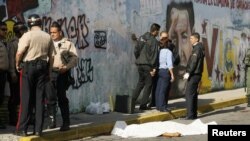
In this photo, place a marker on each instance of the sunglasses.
(3, 29)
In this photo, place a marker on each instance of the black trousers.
(33, 79)
(192, 95)
(2, 85)
(59, 86)
(14, 99)
(144, 82)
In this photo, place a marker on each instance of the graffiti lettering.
(210, 56)
(84, 72)
(239, 4)
(75, 29)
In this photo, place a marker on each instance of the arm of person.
(172, 75)
(19, 55)
(23, 45)
(12, 59)
(170, 64)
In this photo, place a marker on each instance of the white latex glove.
(186, 76)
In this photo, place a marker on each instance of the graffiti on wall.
(100, 39)
(75, 28)
(223, 37)
(224, 47)
(84, 72)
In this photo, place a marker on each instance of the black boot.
(12, 116)
(2, 126)
(65, 117)
(52, 116)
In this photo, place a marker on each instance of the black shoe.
(144, 108)
(21, 133)
(165, 110)
(51, 126)
(38, 134)
(12, 123)
(188, 118)
(64, 128)
(2, 126)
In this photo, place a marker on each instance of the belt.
(36, 62)
(55, 70)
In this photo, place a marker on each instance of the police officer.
(19, 29)
(247, 62)
(64, 60)
(193, 75)
(35, 50)
(4, 64)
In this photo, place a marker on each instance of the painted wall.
(101, 31)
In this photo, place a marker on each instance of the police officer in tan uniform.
(4, 64)
(64, 60)
(35, 50)
(19, 29)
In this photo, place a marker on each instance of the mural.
(101, 32)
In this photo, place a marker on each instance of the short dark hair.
(56, 25)
(196, 35)
(2, 23)
(155, 27)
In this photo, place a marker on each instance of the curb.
(105, 128)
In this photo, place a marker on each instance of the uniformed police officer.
(247, 62)
(193, 75)
(4, 64)
(19, 29)
(35, 50)
(64, 60)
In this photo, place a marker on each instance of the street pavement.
(230, 116)
(85, 125)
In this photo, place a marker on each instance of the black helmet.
(34, 20)
(18, 26)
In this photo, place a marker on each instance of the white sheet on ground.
(154, 129)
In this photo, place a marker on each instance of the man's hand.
(18, 68)
(186, 76)
(153, 72)
(63, 69)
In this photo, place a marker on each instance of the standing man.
(146, 62)
(35, 50)
(65, 59)
(247, 63)
(19, 29)
(4, 64)
(193, 75)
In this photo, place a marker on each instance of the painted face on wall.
(179, 33)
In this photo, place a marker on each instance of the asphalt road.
(234, 115)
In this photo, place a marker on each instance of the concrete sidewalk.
(84, 125)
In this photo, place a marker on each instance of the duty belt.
(35, 62)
